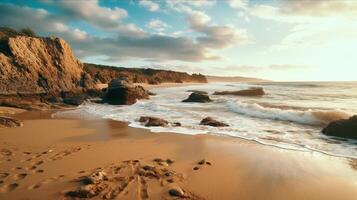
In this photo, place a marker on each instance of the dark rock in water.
(345, 128)
(7, 122)
(176, 124)
(151, 93)
(208, 121)
(198, 91)
(153, 121)
(198, 97)
(121, 92)
(258, 91)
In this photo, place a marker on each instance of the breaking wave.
(305, 117)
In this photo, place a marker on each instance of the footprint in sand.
(36, 186)
(4, 175)
(20, 176)
(46, 181)
(31, 168)
(17, 168)
(201, 163)
(6, 152)
(119, 180)
(64, 153)
(143, 189)
(10, 187)
(39, 162)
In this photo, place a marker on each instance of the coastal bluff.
(32, 65)
(43, 73)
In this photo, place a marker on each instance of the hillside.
(234, 79)
(104, 74)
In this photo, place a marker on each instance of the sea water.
(290, 115)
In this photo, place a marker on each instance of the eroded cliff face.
(31, 65)
(104, 74)
(42, 73)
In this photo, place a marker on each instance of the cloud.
(153, 47)
(123, 46)
(286, 67)
(39, 20)
(319, 8)
(212, 36)
(125, 41)
(90, 11)
(314, 26)
(296, 11)
(238, 4)
(157, 25)
(150, 5)
(254, 69)
(200, 3)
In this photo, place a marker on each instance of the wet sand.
(46, 158)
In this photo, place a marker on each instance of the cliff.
(32, 65)
(104, 74)
(43, 72)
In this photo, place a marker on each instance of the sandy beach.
(46, 158)
(178, 99)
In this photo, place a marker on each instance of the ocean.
(291, 115)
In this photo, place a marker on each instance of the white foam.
(307, 117)
(247, 117)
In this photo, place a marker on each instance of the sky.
(295, 40)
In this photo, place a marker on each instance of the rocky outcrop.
(198, 97)
(153, 121)
(104, 74)
(7, 122)
(345, 128)
(258, 91)
(42, 73)
(36, 72)
(122, 92)
(208, 121)
(39, 65)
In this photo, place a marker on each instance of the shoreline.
(239, 168)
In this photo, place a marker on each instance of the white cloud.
(91, 11)
(297, 11)
(200, 3)
(150, 5)
(238, 4)
(79, 34)
(157, 25)
(212, 36)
